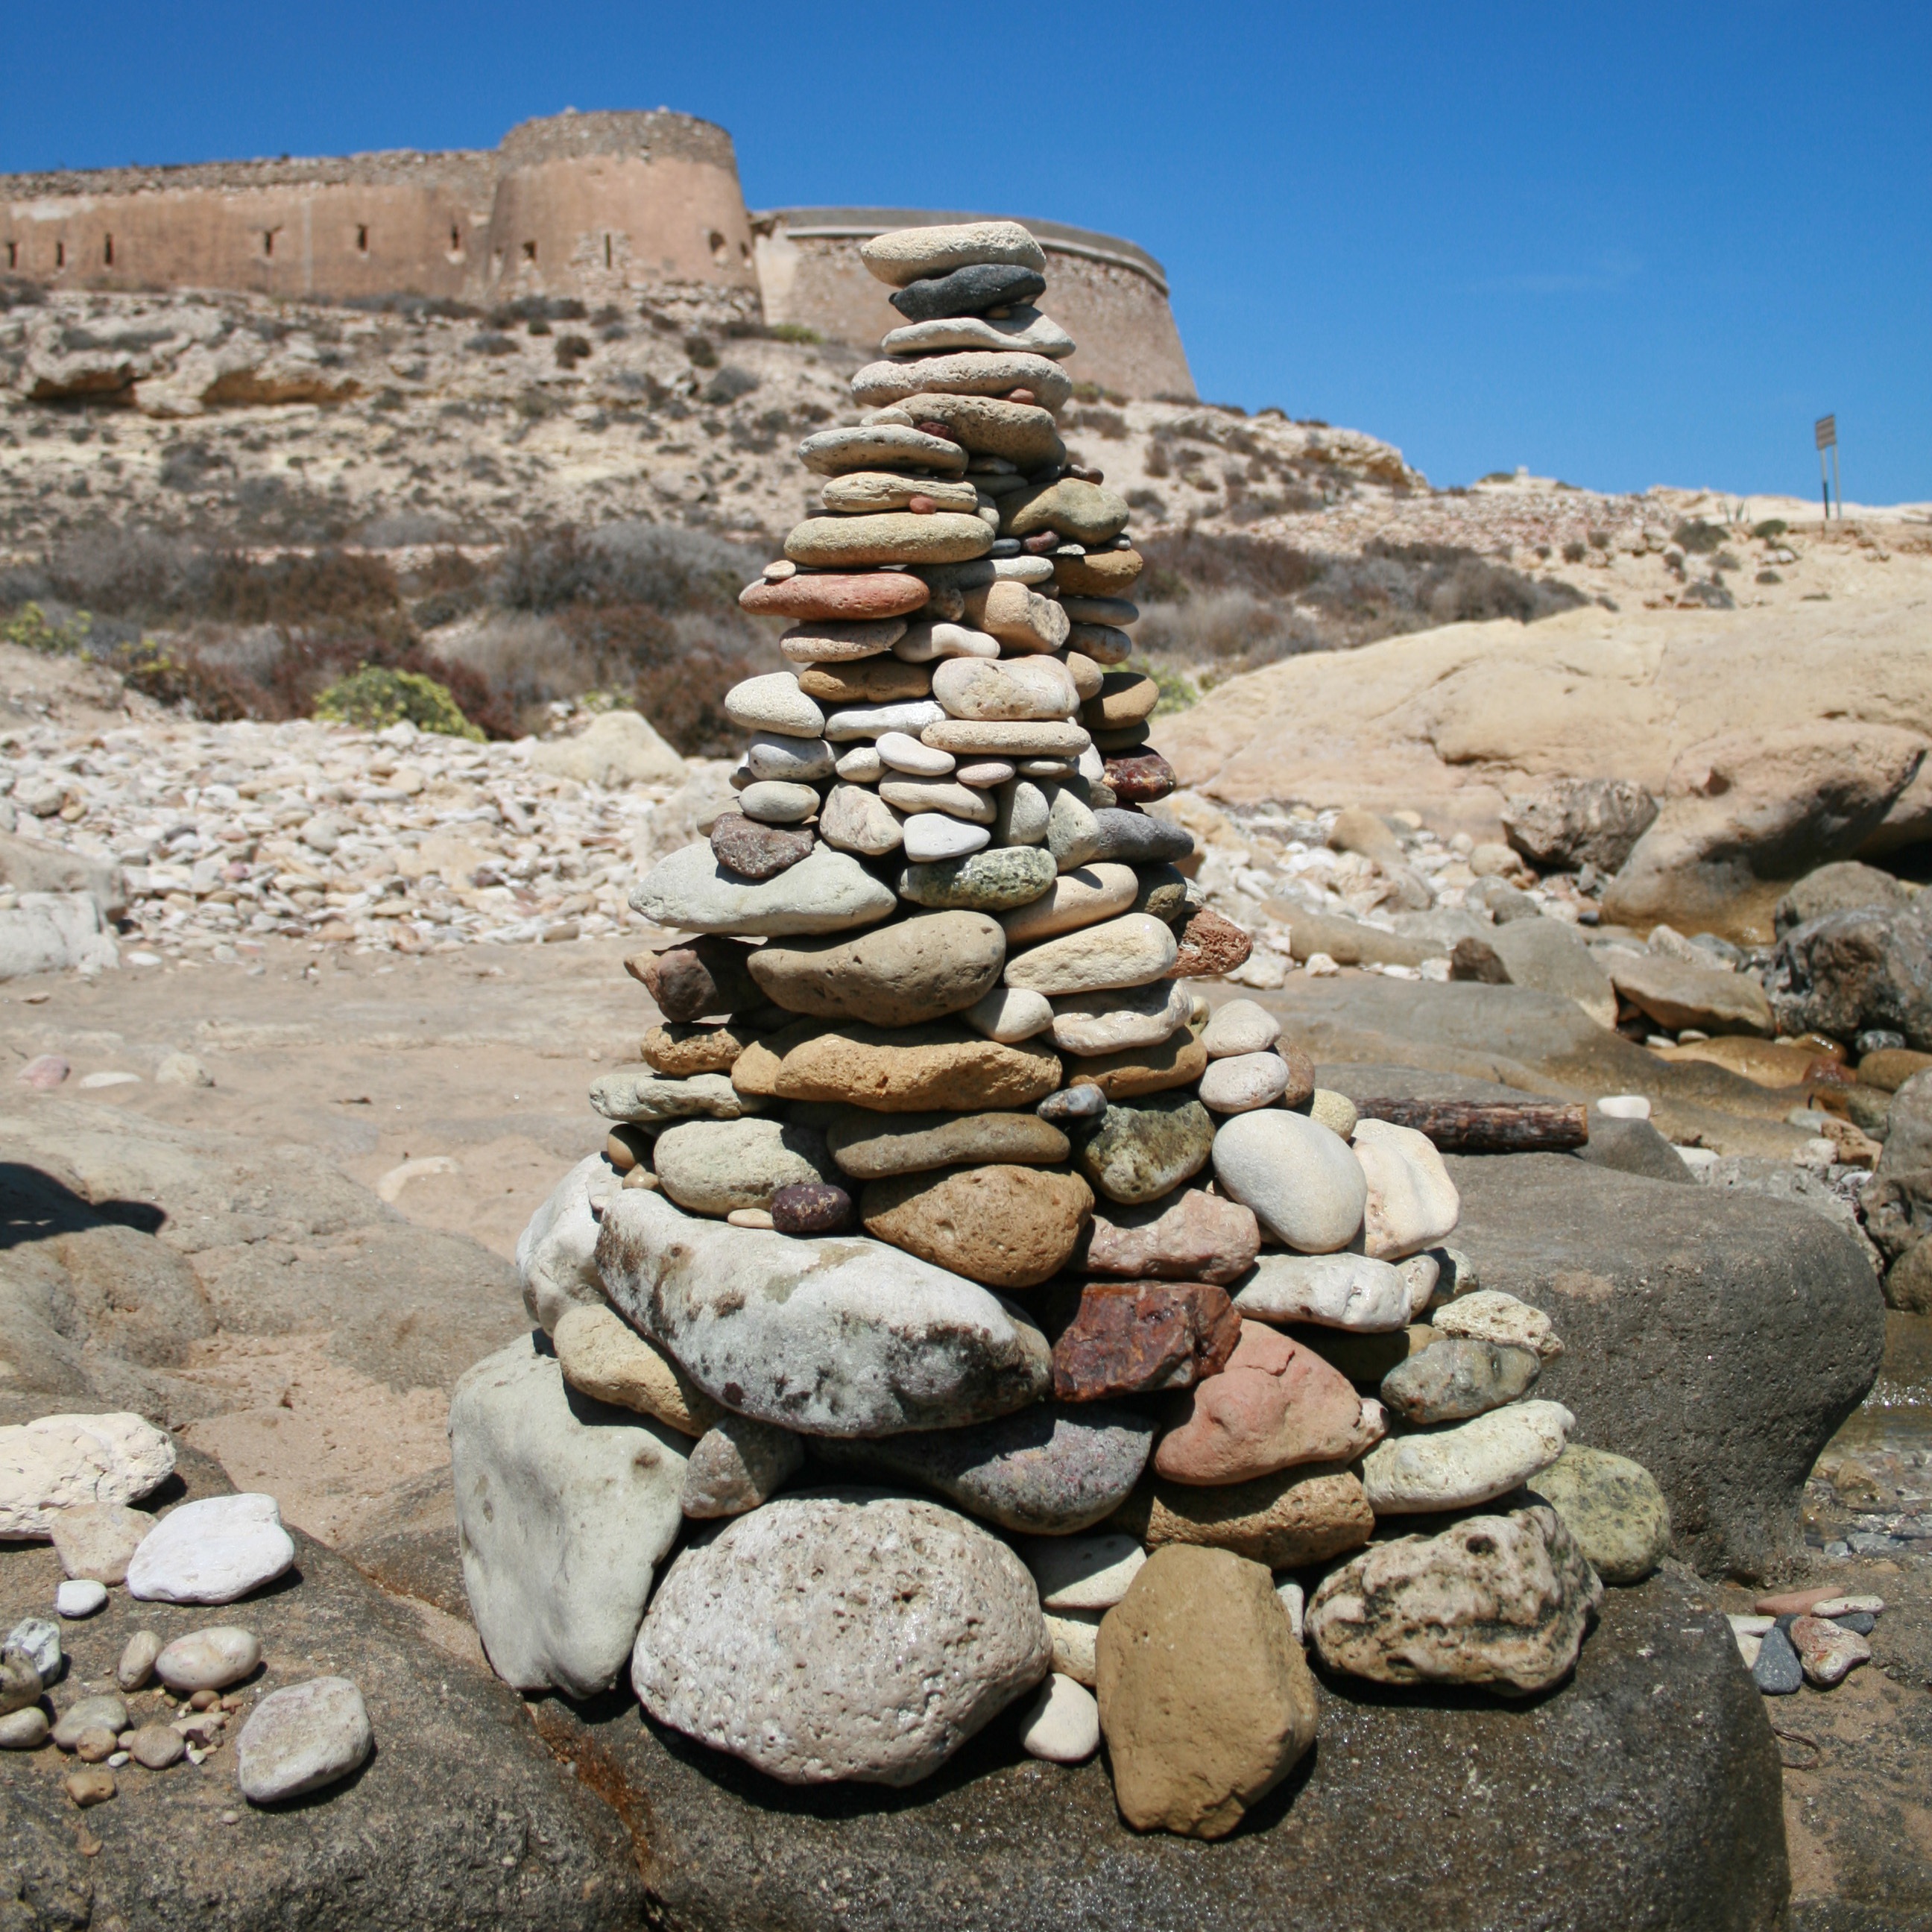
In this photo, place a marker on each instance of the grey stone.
(1549, 956)
(869, 1147)
(837, 1336)
(710, 1167)
(37, 1640)
(1777, 1672)
(302, 1738)
(1568, 823)
(841, 1635)
(1050, 1470)
(971, 290)
(1138, 838)
(644, 1097)
(827, 891)
(32, 865)
(1073, 1103)
(1632, 1147)
(1457, 1378)
(737, 1464)
(1847, 971)
(1137, 1153)
(556, 1253)
(107, 1712)
(1846, 886)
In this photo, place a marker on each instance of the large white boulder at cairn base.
(212, 1551)
(557, 1252)
(1333, 1291)
(620, 747)
(825, 892)
(841, 1336)
(564, 1508)
(847, 1634)
(1307, 1190)
(59, 1462)
(1473, 1463)
(1412, 1202)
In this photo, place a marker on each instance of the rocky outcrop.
(1571, 823)
(1844, 971)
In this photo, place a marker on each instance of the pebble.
(93, 1784)
(1306, 1187)
(711, 1167)
(1010, 1227)
(905, 753)
(990, 882)
(156, 1746)
(770, 802)
(1613, 1507)
(1091, 1024)
(1137, 839)
(95, 1539)
(874, 721)
(209, 1660)
(1490, 1315)
(811, 1207)
(1072, 1104)
(1082, 896)
(24, 1729)
(932, 836)
(1024, 328)
(1862, 1622)
(1074, 1635)
(737, 1464)
(301, 1738)
(896, 1070)
(1844, 1607)
(871, 1147)
(1827, 1652)
(1062, 1724)
(1243, 1082)
(38, 1640)
(912, 255)
(1176, 1062)
(138, 1657)
(1457, 1378)
(855, 819)
(1193, 1236)
(1129, 951)
(1210, 946)
(774, 702)
(604, 1356)
(750, 1217)
(212, 1551)
(878, 680)
(1623, 1107)
(79, 1597)
(827, 891)
(968, 291)
(1008, 1016)
(104, 1711)
(1137, 1153)
(754, 850)
(680, 1050)
(1804, 1603)
(1777, 1671)
(797, 760)
(847, 645)
(1090, 1572)
(1141, 1337)
(1010, 689)
(57, 1462)
(927, 643)
(1411, 1200)
(1239, 1027)
(1472, 1462)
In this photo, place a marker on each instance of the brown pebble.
(94, 1746)
(157, 1746)
(640, 1176)
(755, 850)
(1141, 777)
(811, 1207)
(625, 1147)
(921, 506)
(1799, 1603)
(203, 1700)
(94, 1786)
(1021, 396)
(1040, 542)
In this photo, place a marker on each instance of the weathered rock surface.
(1567, 823)
(1549, 957)
(1136, 1153)
(841, 1635)
(1010, 1227)
(1457, 1377)
(836, 1336)
(737, 1465)
(302, 1738)
(1138, 1337)
(911, 1069)
(602, 1355)
(1192, 1236)
(56, 1463)
(868, 1146)
(711, 1167)
(911, 970)
(1472, 1462)
(1412, 1203)
(1846, 971)
(556, 1252)
(1613, 1508)
(1293, 1518)
(1351, 1292)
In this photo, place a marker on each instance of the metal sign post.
(1825, 430)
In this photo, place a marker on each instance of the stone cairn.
(990, 1319)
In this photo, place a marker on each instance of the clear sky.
(1621, 244)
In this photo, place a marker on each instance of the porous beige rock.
(910, 1069)
(915, 254)
(56, 1462)
(603, 1355)
(1017, 688)
(1010, 1227)
(1470, 1462)
(96, 1539)
(1129, 951)
(1293, 1518)
(1083, 896)
(1489, 1315)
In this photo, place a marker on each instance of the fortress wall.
(1109, 295)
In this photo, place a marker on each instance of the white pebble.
(1062, 1724)
(1623, 1107)
(79, 1597)
(301, 1738)
(934, 835)
(905, 753)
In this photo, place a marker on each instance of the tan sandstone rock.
(1008, 1227)
(897, 975)
(911, 1069)
(604, 1356)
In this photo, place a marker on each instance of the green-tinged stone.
(1614, 1509)
(1139, 1153)
(991, 881)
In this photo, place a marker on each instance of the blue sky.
(1622, 245)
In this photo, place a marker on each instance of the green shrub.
(1178, 690)
(1771, 527)
(31, 629)
(794, 332)
(1697, 538)
(373, 699)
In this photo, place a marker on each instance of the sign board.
(1826, 431)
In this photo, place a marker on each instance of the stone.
(775, 802)
(861, 491)
(96, 1540)
(1568, 823)
(1020, 327)
(842, 1635)
(1242, 1082)
(1634, 1147)
(896, 1070)
(739, 1464)
(93, 1785)
(1044, 1470)
(1500, 1601)
(872, 680)
(1062, 1724)
(636, 1096)
(1163, 892)
(1307, 1190)
(1073, 832)
(1777, 1671)
(1273, 1405)
(986, 426)
(1125, 698)
(209, 1660)
(827, 891)
(1071, 1104)
(564, 1508)
(1115, 1021)
(1472, 1462)
(1010, 1017)
(906, 255)
(711, 1167)
(835, 452)
(1676, 995)
(35, 1642)
(1412, 1203)
(1289, 1520)
(871, 1147)
(1129, 951)
(934, 638)
(704, 975)
(1082, 896)
(900, 752)
(678, 1050)
(105, 1711)
(833, 1337)
(854, 819)
(1139, 1337)
(969, 737)
(1610, 1505)
(891, 536)
(1083, 1572)
(979, 372)
(1489, 1315)
(212, 1552)
(58, 1462)
(1021, 814)
(1140, 778)
(1888, 1068)
(853, 649)
(1239, 1028)
(154, 1747)
(773, 703)
(79, 1597)
(1847, 972)
(1137, 1153)
(1456, 1377)
(932, 835)
(1079, 511)
(25, 1729)
(1209, 945)
(1335, 1112)
(1139, 838)
(1205, 1698)
(1827, 1652)
(138, 1657)
(1076, 1636)
(1846, 886)
(811, 1207)
(1017, 688)
(1132, 1071)
(1549, 957)
(1008, 1226)
(992, 882)
(971, 290)
(757, 851)
(302, 1738)
(1192, 1236)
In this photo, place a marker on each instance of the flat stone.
(1611, 1505)
(1017, 688)
(1243, 1082)
(840, 1636)
(1023, 328)
(1549, 956)
(1502, 1601)
(1489, 1315)
(757, 851)
(1205, 1697)
(1081, 896)
(1136, 1153)
(1138, 838)
(637, 1095)
(301, 1738)
(773, 802)
(978, 372)
(891, 536)
(906, 255)
(811, 1208)
(1132, 1072)
(1239, 1027)
(602, 1355)
(1273, 1405)
(1474, 1461)
(1456, 1377)
(1085, 1572)
(896, 1070)
(991, 882)
(1126, 698)
(827, 891)
(1209, 945)
(871, 1147)
(1107, 573)
(739, 1464)
(971, 290)
(1193, 1236)
(1307, 1189)
(862, 491)
(1140, 1337)
(899, 752)
(57, 1463)
(1112, 1022)
(1008, 1226)
(1062, 1724)
(212, 1552)
(97, 1539)
(986, 426)
(710, 1167)
(105, 1711)
(833, 1337)
(1677, 995)
(1129, 951)
(854, 819)
(773, 703)
(209, 1660)
(564, 1508)
(1289, 1520)
(872, 680)
(851, 648)
(834, 452)
(703, 976)
(1008, 1016)
(1827, 1652)
(970, 737)
(912, 971)
(930, 835)
(1412, 1203)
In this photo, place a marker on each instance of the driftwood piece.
(1488, 1127)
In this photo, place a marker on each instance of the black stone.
(1777, 1672)
(1643, 1791)
(1860, 1623)
(811, 1207)
(1138, 839)
(967, 291)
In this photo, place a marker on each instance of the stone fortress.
(601, 207)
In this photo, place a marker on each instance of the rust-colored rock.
(1007, 1227)
(1210, 944)
(703, 976)
(1139, 778)
(1195, 1236)
(1131, 1337)
(873, 593)
(753, 851)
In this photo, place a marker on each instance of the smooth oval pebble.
(1304, 1183)
(800, 760)
(775, 802)
(209, 1660)
(1083, 1572)
(1126, 952)
(157, 1746)
(79, 1597)
(774, 702)
(1073, 1103)
(933, 835)
(24, 1729)
(137, 1660)
(1239, 1027)
(1010, 1017)
(1243, 1082)
(905, 753)
(811, 1207)
(1062, 1724)
(301, 1738)
(104, 1712)
(212, 1551)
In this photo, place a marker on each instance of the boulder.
(34, 868)
(844, 1635)
(1845, 886)
(58, 1462)
(835, 1337)
(1567, 823)
(1676, 994)
(1845, 972)
(618, 749)
(564, 1508)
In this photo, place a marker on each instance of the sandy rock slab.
(1648, 1790)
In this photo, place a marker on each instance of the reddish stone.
(1128, 1337)
(879, 593)
(706, 976)
(939, 429)
(1141, 777)
(922, 506)
(1300, 1074)
(811, 1207)
(1041, 542)
(1799, 1603)
(1200, 1236)
(1210, 944)
(1021, 396)
(753, 851)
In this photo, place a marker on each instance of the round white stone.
(774, 702)
(862, 765)
(301, 1738)
(79, 1597)
(212, 1552)
(1062, 1724)
(800, 760)
(934, 835)
(209, 1660)
(1243, 1082)
(1238, 1026)
(773, 802)
(1472, 1462)
(1305, 1186)
(1623, 1107)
